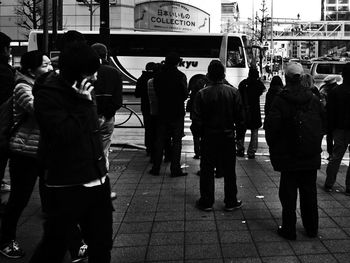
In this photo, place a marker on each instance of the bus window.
(235, 53)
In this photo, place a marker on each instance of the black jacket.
(7, 79)
(279, 132)
(108, 91)
(218, 111)
(141, 91)
(338, 107)
(170, 85)
(71, 146)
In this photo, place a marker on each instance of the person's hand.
(84, 89)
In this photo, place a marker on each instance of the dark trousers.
(24, 171)
(218, 151)
(91, 208)
(147, 122)
(3, 163)
(305, 181)
(329, 139)
(166, 129)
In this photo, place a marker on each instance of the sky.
(309, 10)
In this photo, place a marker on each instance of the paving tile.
(202, 251)
(332, 233)
(131, 240)
(139, 217)
(212, 260)
(265, 235)
(201, 225)
(168, 238)
(342, 257)
(308, 247)
(138, 227)
(324, 258)
(165, 253)
(235, 236)
(262, 224)
(257, 214)
(338, 246)
(280, 259)
(267, 249)
(342, 221)
(242, 260)
(201, 237)
(128, 254)
(239, 250)
(168, 226)
(224, 225)
(169, 216)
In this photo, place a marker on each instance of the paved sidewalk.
(155, 219)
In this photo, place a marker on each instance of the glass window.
(330, 8)
(344, 16)
(324, 68)
(235, 53)
(343, 8)
(343, 1)
(331, 1)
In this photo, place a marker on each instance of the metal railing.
(131, 113)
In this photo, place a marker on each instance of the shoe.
(251, 156)
(82, 254)
(202, 207)
(282, 233)
(196, 156)
(178, 174)
(12, 250)
(240, 153)
(327, 189)
(153, 172)
(347, 192)
(113, 196)
(237, 205)
(5, 187)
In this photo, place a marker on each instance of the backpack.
(307, 131)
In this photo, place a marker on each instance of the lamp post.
(272, 45)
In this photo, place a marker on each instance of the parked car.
(323, 68)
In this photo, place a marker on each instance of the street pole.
(272, 45)
(45, 26)
(104, 23)
(54, 25)
(91, 13)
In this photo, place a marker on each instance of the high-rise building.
(334, 10)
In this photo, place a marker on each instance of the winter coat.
(71, 147)
(25, 140)
(141, 91)
(171, 88)
(338, 107)
(7, 79)
(108, 91)
(218, 111)
(270, 95)
(251, 90)
(279, 130)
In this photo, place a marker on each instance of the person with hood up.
(298, 166)
(276, 86)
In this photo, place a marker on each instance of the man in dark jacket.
(338, 112)
(141, 91)
(217, 114)
(71, 152)
(7, 81)
(251, 89)
(298, 170)
(171, 89)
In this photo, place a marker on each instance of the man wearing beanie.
(170, 85)
(217, 116)
(293, 153)
(71, 152)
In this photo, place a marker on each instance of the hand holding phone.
(83, 88)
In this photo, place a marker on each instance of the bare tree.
(29, 13)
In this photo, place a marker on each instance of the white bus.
(131, 51)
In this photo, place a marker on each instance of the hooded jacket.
(71, 146)
(279, 132)
(141, 91)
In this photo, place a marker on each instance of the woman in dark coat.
(251, 89)
(276, 86)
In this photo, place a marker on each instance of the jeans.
(218, 151)
(91, 209)
(253, 144)
(24, 171)
(341, 141)
(169, 129)
(305, 181)
(106, 129)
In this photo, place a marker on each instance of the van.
(321, 69)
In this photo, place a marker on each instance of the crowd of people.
(64, 121)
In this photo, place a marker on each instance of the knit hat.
(294, 70)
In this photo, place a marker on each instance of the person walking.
(109, 99)
(23, 166)
(71, 152)
(330, 83)
(338, 113)
(294, 131)
(217, 115)
(170, 85)
(250, 90)
(7, 84)
(142, 92)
